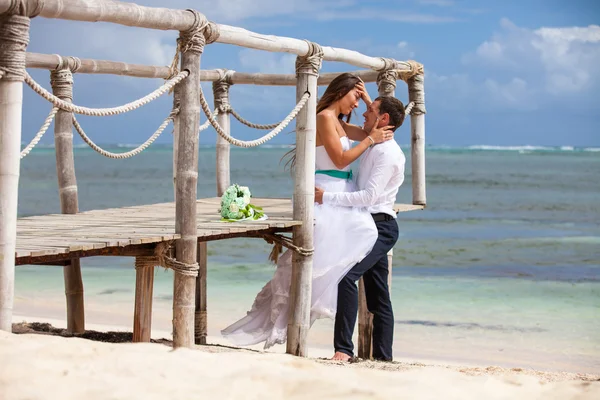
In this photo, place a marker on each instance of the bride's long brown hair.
(338, 88)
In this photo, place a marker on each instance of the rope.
(161, 258)
(386, 81)
(280, 241)
(257, 142)
(62, 84)
(206, 124)
(102, 112)
(415, 69)
(248, 123)
(40, 133)
(71, 63)
(131, 153)
(194, 39)
(221, 97)
(25, 8)
(409, 108)
(312, 61)
(14, 38)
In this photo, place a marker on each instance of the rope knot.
(388, 64)
(386, 81)
(279, 242)
(62, 84)
(19, 7)
(415, 69)
(71, 63)
(416, 94)
(221, 90)
(202, 32)
(161, 257)
(312, 61)
(14, 38)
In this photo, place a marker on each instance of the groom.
(380, 175)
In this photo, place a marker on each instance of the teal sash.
(335, 173)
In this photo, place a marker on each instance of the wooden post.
(201, 316)
(14, 37)
(416, 93)
(303, 202)
(62, 87)
(386, 85)
(176, 104)
(144, 285)
(184, 286)
(221, 98)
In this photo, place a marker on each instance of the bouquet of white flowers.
(235, 205)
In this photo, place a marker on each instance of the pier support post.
(14, 38)
(386, 85)
(307, 70)
(416, 94)
(61, 80)
(221, 99)
(191, 43)
(201, 315)
(144, 287)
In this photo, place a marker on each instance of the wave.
(525, 149)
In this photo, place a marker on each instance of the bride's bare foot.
(339, 356)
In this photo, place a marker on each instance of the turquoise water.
(502, 265)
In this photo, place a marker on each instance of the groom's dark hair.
(394, 108)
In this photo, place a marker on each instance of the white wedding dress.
(343, 236)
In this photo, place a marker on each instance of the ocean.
(502, 268)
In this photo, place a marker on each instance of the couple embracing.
(355, 226)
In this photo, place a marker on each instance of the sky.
(501, 73)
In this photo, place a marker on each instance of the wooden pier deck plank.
(61, 236)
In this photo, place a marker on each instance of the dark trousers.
(374, 269)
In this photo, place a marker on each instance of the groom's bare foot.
(339, 356)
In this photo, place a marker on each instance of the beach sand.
(37, 363)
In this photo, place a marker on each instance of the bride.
(343, 236)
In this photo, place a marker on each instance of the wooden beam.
(58, 259)
(131, 14)
(90, 66)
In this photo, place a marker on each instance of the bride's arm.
(354, 132)
(331, 140)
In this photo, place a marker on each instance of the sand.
(44, 365)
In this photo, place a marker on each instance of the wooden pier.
(173, 235)
(129, 231)
(137, 231)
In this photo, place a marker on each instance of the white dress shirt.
(380, 174)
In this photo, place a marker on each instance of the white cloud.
(564, 60)
(461, 93)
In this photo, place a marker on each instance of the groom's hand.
(319, 195)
